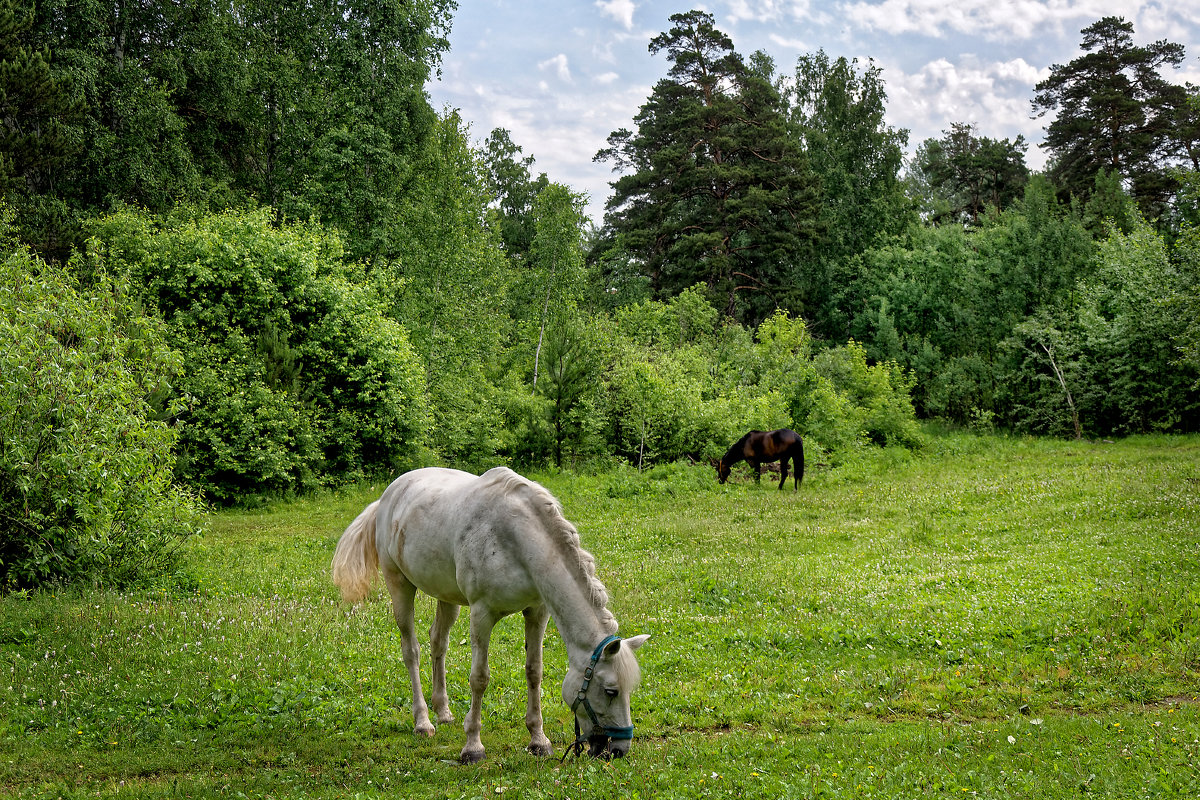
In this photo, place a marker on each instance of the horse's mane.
(735, 449)
(562, 533)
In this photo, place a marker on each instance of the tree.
(571, 384)
(716, 189)
(1132, 323)
(449, 287)
(838, 109)
(1115, 112)
(34, 102)
(512, 190)
(968, 174)
(556, 259)
(318, 110)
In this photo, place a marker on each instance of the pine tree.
(1115, 112)
(715, 190)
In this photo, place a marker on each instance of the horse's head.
(722, 471)
(599, 696)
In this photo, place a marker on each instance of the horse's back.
(450, 532)
(786, 437)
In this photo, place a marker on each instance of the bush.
(877, 396)
(86, 490)
(294, 376)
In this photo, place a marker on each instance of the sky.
(561, 75)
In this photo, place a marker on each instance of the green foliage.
(1111, 359)
(1130, 327)
(36, 105)
(877, 395)
(950, 305)
(962, 175)
(1045, 366)
(316, 110)
(678, 388)
(571, 385)
(512, 190)
(449, 288)
(1186, 302)
(837, 108)
(1114, 111)
(715, 189)
(293, 375)
(86, 491)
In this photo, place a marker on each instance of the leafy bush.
(293, 374)
(1131, 327)
(878, 395)
(678, 388)
(1115, 359)
(86, 490)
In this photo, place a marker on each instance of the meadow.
(993, 617)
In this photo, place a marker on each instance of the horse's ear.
(634, 642)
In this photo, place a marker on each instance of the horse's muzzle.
(601, 746)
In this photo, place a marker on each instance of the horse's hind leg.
(439, 643)
(482, 622)
(783, 473)
(535, 631)
(403, 594)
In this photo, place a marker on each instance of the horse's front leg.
(403, 594)
(535, 631)
(482, 622)
(439, 643)
(757, 467)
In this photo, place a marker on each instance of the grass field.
(999, 618)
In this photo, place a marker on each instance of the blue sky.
(561, 75)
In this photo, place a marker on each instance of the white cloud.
(619, 10)
(1020, 72)
(787, 44)
(992, 19)
(770, 10)
(559, 65)
(993, 96)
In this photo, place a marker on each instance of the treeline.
(1064, 302)
(247, 260)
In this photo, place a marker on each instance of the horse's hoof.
(471, 756)
(541, 749)
(427, 730)
(445, 719)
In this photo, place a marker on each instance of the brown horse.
(759, 447)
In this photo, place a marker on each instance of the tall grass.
(993, 618)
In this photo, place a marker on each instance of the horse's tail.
(355, 560)
(798, 461)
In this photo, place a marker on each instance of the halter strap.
(618, 733)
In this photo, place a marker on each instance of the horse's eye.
(611, 692)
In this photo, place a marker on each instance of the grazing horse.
(498, 543)
(759, 447)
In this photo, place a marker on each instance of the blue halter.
(624, 732)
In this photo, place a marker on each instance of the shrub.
(293, 374)
(877, 396)
(86, 491)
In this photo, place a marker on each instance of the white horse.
(499, 544)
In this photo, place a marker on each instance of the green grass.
(993, 618)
